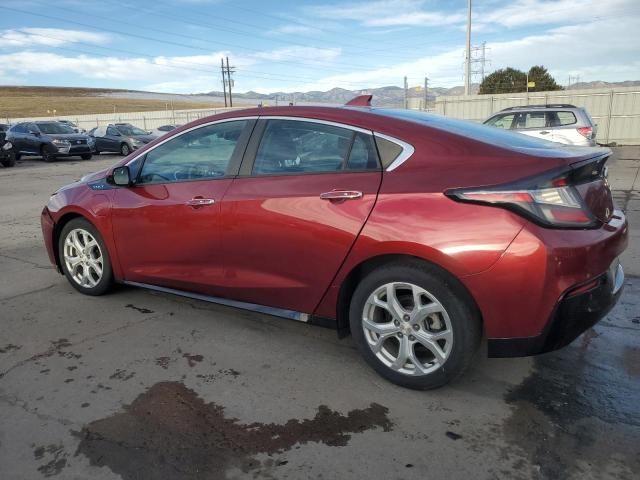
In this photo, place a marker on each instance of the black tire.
(106, 281)
(125, 149)
(46, 155)
(463, 317)
(17, 156)
(86, 156)
(10, 160)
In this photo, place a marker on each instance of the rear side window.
(502, 121)
(559, 119)
(291, 146)
(532, 120)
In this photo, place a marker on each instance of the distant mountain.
(387, 96)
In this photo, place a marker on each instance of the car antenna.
(360, 101)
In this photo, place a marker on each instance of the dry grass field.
(16, 102)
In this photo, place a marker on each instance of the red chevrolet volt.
(417, 234)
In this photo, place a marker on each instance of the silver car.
(562, 123)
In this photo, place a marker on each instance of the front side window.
(291, 146)
(502, 121)
(54, 128)
(198, 154)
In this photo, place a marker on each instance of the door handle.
(200, 202)
(340, 195)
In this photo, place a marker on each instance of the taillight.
(554, 203)
(585, 131)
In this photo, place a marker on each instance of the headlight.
(135, 141)
(60, 143)
(7, 146)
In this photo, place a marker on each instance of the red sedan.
(417, 234)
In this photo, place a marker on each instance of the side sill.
(276, 312)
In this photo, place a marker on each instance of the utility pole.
(467, 56)
(224, 81)
(406, 93)
(426, 84)
(230, 80)
(483, 59)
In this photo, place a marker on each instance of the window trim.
(405, 154)
(234, 161)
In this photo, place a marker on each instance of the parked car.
(560, 123)
(73, 126)
(7, 153)
(49, 140)
(164, 129)
(415, 233)
(122, 138)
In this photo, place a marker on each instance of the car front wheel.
(10, 160)
(414, 325)
(125, 149)
(84, 257)
(47, 156)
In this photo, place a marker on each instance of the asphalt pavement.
(144, 385)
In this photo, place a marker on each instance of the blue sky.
(176, 45)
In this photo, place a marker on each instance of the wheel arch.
(57, 229)
(358, 272)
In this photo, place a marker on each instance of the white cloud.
(300, 54)
(52, 37)
(386, 13)
(292, 29)
(547, 12)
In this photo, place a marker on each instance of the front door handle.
(200, 202)
(340, 195)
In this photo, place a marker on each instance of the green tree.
(512, 80)
(544, 82)
(505, 80)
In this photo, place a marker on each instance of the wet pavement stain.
(58, 459)
(169, 433)
(10, 347)
(163, 362)
(578, 406)
(139, 309)
(122, 375)
(192, 359)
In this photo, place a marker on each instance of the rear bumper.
(573, 315)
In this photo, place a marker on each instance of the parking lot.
(139, 382)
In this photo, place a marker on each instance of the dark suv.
(49, 140)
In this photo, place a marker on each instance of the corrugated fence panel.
(616, 111)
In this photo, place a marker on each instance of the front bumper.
(574, 314)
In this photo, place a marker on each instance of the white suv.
(560, 123)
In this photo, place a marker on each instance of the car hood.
(70, 136)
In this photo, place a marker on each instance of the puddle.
(169, 433)
(578, 412)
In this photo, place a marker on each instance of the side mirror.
(121, 176)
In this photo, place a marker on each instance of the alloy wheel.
(83, 258)
(407, 328)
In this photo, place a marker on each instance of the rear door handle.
(340, 195)
(200, 202)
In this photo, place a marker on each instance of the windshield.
(130, 130)
(54, 128)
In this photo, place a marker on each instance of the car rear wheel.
(414, 325)
(47, 156)
(125, 150)
(84, 258)
(86, 157)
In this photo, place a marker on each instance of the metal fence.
(144, 120)
(616, 111)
